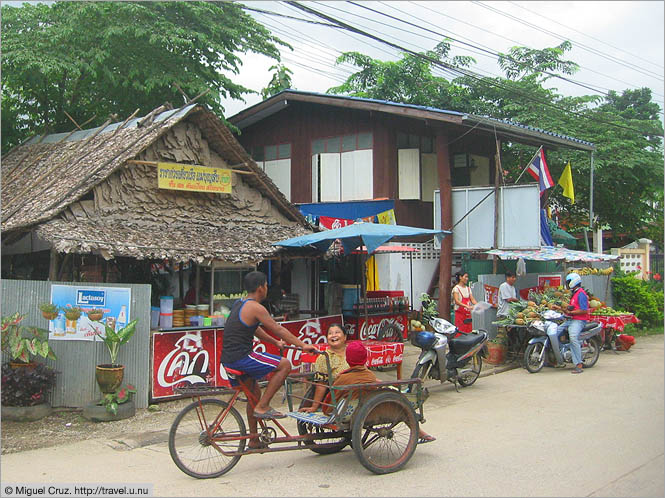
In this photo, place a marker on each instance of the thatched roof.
(84, 193)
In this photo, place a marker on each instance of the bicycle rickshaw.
(208, 437)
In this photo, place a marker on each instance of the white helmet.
(573, 280)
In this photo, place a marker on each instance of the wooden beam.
(53, 265)
(446, 195)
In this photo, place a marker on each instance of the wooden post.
(446, 193)
(53, 266)
(497, 177)
(180, 282)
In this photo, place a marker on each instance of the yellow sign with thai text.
(194, 178)
(387, 217)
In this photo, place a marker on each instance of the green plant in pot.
(121, 395)
(72, 313)
(22, 342)
(109, 376)
(49, 310)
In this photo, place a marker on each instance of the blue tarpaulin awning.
(348, 210)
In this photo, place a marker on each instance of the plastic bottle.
(121, 321)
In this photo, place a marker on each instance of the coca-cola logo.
(179, 364)
(371, 331)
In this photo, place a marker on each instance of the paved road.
(600, 433)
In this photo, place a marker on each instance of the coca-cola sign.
(192, 357)
(369, 329)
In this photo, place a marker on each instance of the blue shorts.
(256, 365)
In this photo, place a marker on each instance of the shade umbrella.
(371, 235)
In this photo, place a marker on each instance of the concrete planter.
(98, 413)
(26, 413)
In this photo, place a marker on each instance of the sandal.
(426, 439)
(271, 413)
(577, 370)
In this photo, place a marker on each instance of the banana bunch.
(592, 271)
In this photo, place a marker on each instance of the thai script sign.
(194, 178)
(491, 295)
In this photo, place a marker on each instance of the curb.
(498, 370)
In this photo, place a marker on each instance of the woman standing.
(336, 336)
(464, 302)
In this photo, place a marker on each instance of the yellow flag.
(372, 272)
(566, 181)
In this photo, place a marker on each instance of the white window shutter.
(429, 180)
(408, 173)
(279, 172)
(329, 174)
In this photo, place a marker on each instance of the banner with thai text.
(491, 295)
(193, 178)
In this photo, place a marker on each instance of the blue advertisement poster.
(113, 303)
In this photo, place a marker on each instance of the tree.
(98, 58)
(625, 128)
(280, 81)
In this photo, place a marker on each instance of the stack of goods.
(190, 311)
(601, 310)
(592, 271)
(178, 318)
(203, 310)
(525, 312)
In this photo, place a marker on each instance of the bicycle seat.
(231, 371)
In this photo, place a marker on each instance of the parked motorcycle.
(446, 357)
(540, 349)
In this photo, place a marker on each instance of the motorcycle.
(539, 347)
(445, 357)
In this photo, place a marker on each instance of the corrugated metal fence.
(75, 383)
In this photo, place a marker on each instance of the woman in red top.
(464, 302)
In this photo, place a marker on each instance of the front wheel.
(534, 357)
(384, 432)
(468, 376)
(593, 352)
(195, 449)
(420, 372)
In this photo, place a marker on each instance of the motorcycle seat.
(590, 326)
(466, 341)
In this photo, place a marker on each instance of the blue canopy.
(372, 235)
(347, 210)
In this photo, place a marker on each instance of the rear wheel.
(305, 428)
(195, 449)
(470, 373)
(385, 432)
(534, 357)
(593, 352)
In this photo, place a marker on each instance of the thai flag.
(539, 170)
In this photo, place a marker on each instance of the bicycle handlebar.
(298, 348)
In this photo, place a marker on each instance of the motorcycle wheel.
(591, 356)
(420, 372)
(470, 375)
(534, 359)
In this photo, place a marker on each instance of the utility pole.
(446, 193)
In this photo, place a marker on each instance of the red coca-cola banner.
(332, 223)
(491, 295)
(367, 330)
(193, 357)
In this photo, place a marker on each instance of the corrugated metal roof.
(268, 106)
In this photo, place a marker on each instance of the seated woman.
(358, 373)
(336, 336)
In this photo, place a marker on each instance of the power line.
(592, 50)
(463, 72)
(588, 36)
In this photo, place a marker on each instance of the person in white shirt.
(507, 295)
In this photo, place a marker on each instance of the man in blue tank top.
(248, 318)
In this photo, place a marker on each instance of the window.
(275, 160)
(342, 168)
(417, 175)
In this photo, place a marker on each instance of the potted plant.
(49, 310)
(72, 313)
(109, 376)
(21, 342)
(497, 347)
(95, 315)
(25, 382)
(24, 392)
(119, 396)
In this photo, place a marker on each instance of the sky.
(618, 45)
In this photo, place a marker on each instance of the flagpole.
(528, 164)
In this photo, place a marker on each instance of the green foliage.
(23, 343)
(26, 386)
(48, 307)
(430, 308)
(280, 81)
(114, 340)
(120, 396)
(103, 58)
(71, 312)
(635, 295)
(625, 128)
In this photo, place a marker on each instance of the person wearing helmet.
(578, 311)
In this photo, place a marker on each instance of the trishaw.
(381, 423)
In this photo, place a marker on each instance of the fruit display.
(608, 311)
(417, 326)
(592, 271)
(525, 312)
(237, 295)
